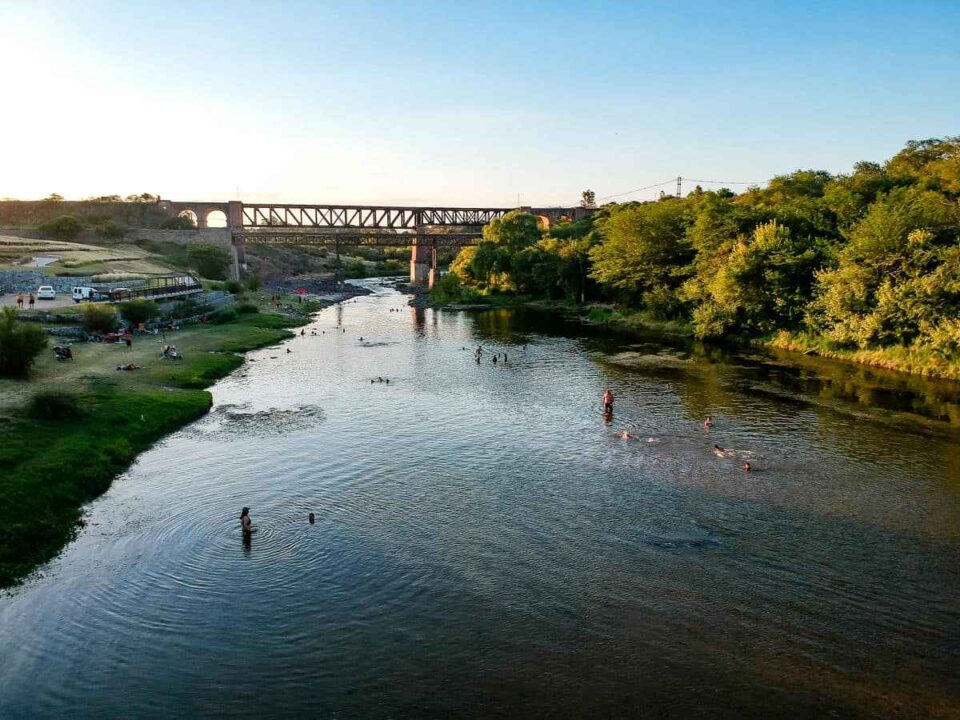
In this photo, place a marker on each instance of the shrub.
(355, 269)
(224, 316)
(20, 343)
(209, 260)
(111, 229)
(138, 311)
(253, 282)
(247, 308)
(98, 318)
(65, 227)
(233, 286)
(178, 223)
(54, 405)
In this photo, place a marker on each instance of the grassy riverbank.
(73, 426)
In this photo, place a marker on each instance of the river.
(485, 545)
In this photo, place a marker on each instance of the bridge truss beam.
(364, 217)
(346, 239)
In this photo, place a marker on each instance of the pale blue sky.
(459, 103)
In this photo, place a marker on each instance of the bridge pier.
(238, 253)
(421, 259)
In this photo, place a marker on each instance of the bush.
(111, 229)
(253, 282)
(209, 260)
(138, 311)
(20, 343)
(224, 316)
(178, 223)
(65, 227)
(54, 405)
(247, 308)
(233, 286)
(97, 318)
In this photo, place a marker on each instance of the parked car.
(120, 294)
(85, 293)
(46, 292)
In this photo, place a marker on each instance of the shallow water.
(485, 546)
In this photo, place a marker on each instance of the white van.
(84, 293)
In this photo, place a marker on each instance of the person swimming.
(246, 524)
(746, 467)
(708, 423)
(311, 518)
(624, 435)
(494, 359)
(719, 451)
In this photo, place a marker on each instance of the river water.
(485, 545)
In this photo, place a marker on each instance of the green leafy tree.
(645, 251)
(764, 283)
(893, 277)
(20, 343)
(209, 260)
(462, 265)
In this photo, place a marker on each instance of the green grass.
(916, 361)
(50, 468)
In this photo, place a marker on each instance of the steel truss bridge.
(423, 229)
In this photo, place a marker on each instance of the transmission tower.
(679, 186)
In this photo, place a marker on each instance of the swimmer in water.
(708, 423)
(608, 402)
(746, 467)
(494, 359)
(246, 524)
(311, 518)
(302, 333)
(719, 451)
(624, 435)
(289, 350)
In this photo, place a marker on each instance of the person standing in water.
(708, 423)
(608, 402)
(246, 524)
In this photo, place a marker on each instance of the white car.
(46, 292)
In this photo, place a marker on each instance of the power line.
(723, 182)
(678, 181)
(630, 192)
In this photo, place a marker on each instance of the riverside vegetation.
(72, 426)
(863, 267)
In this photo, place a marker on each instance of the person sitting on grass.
(129, 366)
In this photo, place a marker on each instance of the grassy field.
(58, 454)
(79, 259)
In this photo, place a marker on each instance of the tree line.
(865, 260)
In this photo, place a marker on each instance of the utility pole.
(679, 186)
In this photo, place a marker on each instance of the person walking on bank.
(20, 301)
(33, 299)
